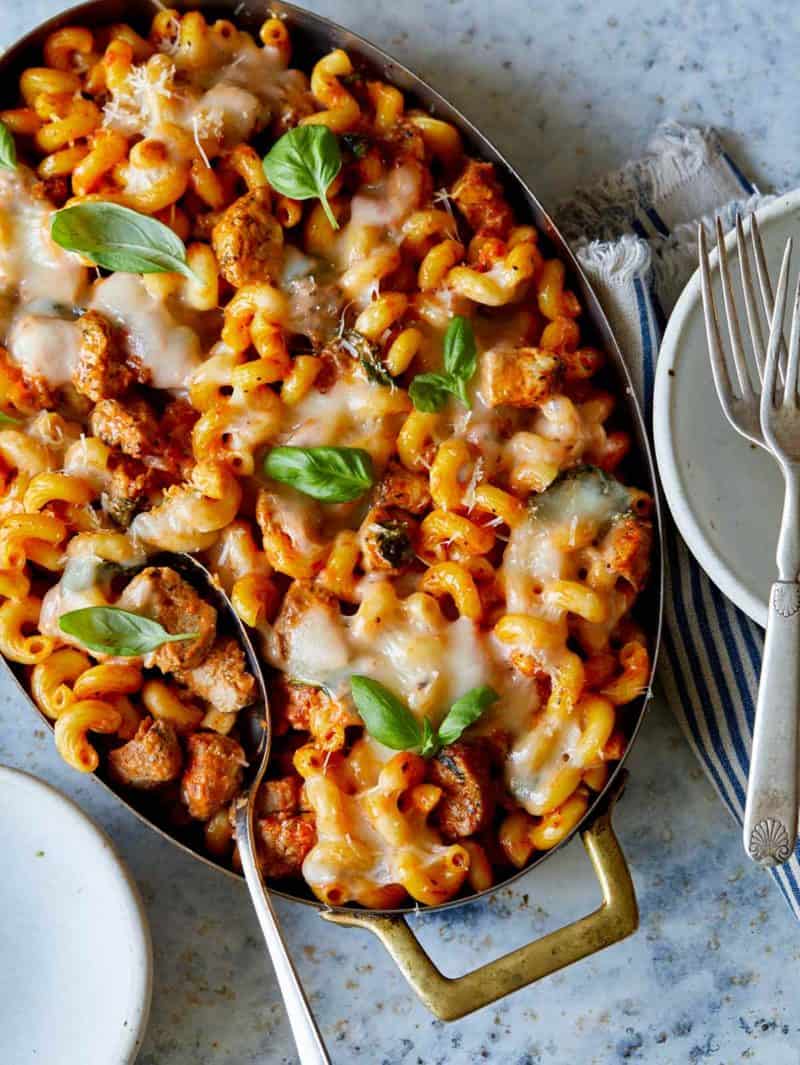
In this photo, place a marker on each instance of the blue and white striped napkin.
(643, 222)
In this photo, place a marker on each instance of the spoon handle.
(310, 1047)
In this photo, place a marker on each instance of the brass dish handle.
(450, 998)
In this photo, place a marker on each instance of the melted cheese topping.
(344, 415)
(427, 661)
(151, 334)
(46, 283)
(432, 663)
(45, 347)
(40, 283)
(30, 263)
(389, 203)
(236, 92)
(531, 559)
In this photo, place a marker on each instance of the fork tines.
(738, 368)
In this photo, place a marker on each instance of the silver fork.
(770, 822)
(769, 417)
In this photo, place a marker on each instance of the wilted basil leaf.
(367, 353)
(356, 144)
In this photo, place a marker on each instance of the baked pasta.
(277, 318)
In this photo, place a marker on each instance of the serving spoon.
(255, 736)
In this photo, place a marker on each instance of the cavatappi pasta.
(496, 546)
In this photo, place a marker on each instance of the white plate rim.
(133, 1035)
(674, 491)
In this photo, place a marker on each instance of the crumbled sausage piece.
(221, 679)
(248, 240)
(626, 548)
(306, 708)
(153, 757)
(284, 840)
(295, 103)
(176, 425)
(26, 394)
(213, 773)
(55, 189)
(520, 377)
(582, 364)
(467, 805)
(336, 364)
(131, 426)
(280, 796)
(480, 199)
(100, 372)
(161, 594)
(404, 488)
(292, 705)
(403, 141)
(388, 539)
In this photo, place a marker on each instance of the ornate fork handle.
(770, 822)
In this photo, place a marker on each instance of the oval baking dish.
(617, 917)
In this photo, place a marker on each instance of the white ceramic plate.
(75, 953)
(725, 494)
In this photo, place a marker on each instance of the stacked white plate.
(75, 953)
(725, 494)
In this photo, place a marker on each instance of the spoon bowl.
(255, 735)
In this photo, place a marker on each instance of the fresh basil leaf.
(330, 474)
(303, 163)
(460, 352)
(8, 148)
(112, 631)
(430, 744)
(429, 391)
(465, 712)
(459, 389)
(119, 238)
(6, 419)
(388, 720)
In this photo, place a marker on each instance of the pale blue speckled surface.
(568, 90)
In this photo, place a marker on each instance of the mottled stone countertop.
(568, 90)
